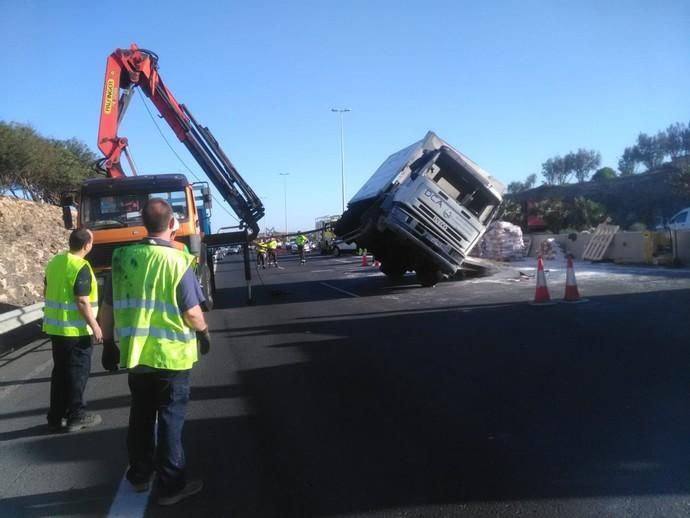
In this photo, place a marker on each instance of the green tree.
(627, 164)
(673, 143)
(685, 137)
(604, 174)
(511, 211)
(584, 213)
(579, 213)
(555, 171)
(553, 212)
(517, 186)
(38, 168)
(681, 180)
(649, 150)
(582, 162)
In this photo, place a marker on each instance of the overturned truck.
(423, 210)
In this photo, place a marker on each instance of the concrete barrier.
(626, 247)
(11, 320)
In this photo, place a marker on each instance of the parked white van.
(680, 221)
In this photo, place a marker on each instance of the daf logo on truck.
(109, 91)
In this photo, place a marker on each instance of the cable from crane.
(218, 202)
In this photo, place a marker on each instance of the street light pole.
(285, 175)
(342, 153)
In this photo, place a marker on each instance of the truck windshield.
(124, 210)
(463, 187)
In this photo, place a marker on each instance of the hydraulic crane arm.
(129, 68)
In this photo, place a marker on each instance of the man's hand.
(110, 358)
(204, 340)
(97, 333)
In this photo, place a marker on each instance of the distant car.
(680, 221)
(341, 247)
(234, 249)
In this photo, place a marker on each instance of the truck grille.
(429, 233)
(430, 214)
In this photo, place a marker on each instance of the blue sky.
(510, 84)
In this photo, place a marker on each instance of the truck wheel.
(206, 288)
(429, 277)
(336, 252)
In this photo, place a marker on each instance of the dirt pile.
(30, 234)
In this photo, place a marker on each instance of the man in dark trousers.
(153, 303)
(301, 240)
(71, 303)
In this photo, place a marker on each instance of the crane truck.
(111, 207)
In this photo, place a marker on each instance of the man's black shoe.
(57, 426)
(84, 421)
(191, 488)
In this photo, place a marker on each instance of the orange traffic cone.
(365, 259)
(542, 294)
(571, 292)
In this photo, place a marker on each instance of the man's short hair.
(78, 239)
(157, 214)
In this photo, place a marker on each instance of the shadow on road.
(198, 393)
(486, 404)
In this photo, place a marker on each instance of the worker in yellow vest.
(261, 251)
(301, 240)
(272, 247)
(153, 303)
(71, 303)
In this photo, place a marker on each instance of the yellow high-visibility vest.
(60, 314)
(148, 322)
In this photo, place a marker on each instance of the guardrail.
(16, 318)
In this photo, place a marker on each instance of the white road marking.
(6, 391)
(339, 289)
(127, 502)
(320, 271)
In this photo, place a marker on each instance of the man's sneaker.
(142, 486)
(57, 426)
(191, 488)
(85, 421)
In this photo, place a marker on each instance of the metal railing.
(19, 317)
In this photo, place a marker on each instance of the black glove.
(204, 340)
(110, 358)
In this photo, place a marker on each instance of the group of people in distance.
(266, 251)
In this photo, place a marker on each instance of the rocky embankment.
(30, 234)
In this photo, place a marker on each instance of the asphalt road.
(338, 394)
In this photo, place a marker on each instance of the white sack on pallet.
(551, 249)
(502, 242)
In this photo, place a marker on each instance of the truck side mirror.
(69, 210)
(69, 216)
